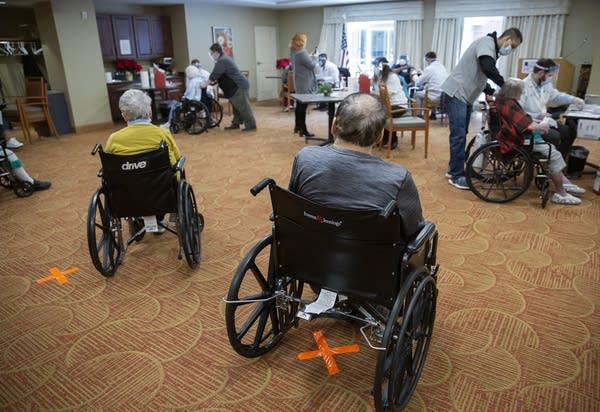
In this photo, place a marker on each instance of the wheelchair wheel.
(542, 183)
(406, 340)
(196, 119)
(189, 224)
(5, 180)
(22, 189)
(216, 113)
(105, 238)
(498, 178)
(258, 312)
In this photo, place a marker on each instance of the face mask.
(545, 80)
(505, 50)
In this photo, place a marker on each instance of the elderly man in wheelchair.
(142, 180)
(350, 227)
(502, 170)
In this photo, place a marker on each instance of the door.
(267, 76)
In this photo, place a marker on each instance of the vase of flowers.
(126, 68)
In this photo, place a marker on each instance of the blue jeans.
(459, 115)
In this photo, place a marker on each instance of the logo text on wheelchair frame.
(134, 166)
(321, 219)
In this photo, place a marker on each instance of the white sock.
(22, 175)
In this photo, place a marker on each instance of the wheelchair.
(502, 177)
(196, 117)
(136, 188)
(8, 179)
(381, 282)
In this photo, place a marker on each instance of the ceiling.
(268, 4)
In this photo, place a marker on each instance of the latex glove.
(579, 103)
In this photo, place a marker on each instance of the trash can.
(577, 159)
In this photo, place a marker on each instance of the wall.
(309, 21)
(181, 56)
(582, 23)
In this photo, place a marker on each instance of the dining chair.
(439, 106)
(31, 109)
(407, 123)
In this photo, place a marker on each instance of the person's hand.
(579, 103)
(543, 128)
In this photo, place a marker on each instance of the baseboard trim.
(94, 127)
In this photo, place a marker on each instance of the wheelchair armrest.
(97, 147)
(261, 185)
(385, 213)
(100, 173)
(180, 163)
(426, 232)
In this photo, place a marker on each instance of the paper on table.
(589, 111)
(325, 301)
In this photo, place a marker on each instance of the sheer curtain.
(408, 40)
(447, 35)
(542, 37)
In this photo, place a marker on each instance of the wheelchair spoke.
(260, 278)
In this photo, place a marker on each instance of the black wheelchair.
(137, 188)
(382, 283)
(7, 178)
(501, 177)
(196, 117)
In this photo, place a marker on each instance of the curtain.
(542, 37)
(447, 35)
(330, 41)
(12, 79)
(408, 40)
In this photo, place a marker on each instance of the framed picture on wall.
(224, 37)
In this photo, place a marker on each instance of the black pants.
(563, 136)
(300, 114)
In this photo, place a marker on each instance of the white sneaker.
(566, 199)
(573, 188)
(13, 143)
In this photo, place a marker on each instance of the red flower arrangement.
(283, 63)
(129, 65)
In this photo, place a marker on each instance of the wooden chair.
(438, 106)
(32, 108)
(407, 123)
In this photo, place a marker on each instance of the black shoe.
(40, 185)
(306, 133)
(232, 127)
(296, 129)
(249, 129)
(432, 117)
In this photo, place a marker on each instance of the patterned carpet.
(517, 328)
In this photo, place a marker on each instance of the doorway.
(267, 76)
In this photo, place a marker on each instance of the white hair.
(192, 71)
(135, 104)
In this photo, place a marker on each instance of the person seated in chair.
(326, 72)
(140, 135)
(398, 99)
(539, 92)
(515, 123)
(346, 174)
(18, 169)
(196, 89)
(433, 76)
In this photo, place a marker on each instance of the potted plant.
(325, 88)
(128, 66)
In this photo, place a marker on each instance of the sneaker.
(40, 185)
(567, 199)
(448, 175)
(573, 188)
(459, 183)
(161, 229)
(13, 143)
(232, 127)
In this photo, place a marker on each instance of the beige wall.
(309, 21)
(181, 56)
(581, 23)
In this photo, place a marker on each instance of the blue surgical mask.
(545, 80)
(505, 50)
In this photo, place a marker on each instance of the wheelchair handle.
(96, 148)
(389, 208)
(261, 185)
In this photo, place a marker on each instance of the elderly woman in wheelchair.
(360, 244)
(143, 179)
(502, 170)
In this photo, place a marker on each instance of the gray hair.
(135, 104)
(360, 118)
(511, 89)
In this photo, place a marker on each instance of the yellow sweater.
(138, 138)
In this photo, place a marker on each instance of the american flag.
(344, 59)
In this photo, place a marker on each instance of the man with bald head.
(346, 175)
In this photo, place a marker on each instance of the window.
(476, 27)
(368, 40)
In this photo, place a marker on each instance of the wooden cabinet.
(115, 90)
(107, 41)
(134, 37)
(124, 38)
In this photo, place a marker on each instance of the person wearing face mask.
(432, 78)
(539, 92)
(327, 71)
(464, 85)
(235, 87)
